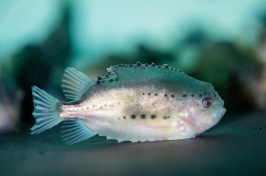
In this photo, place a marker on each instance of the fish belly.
(135, 115)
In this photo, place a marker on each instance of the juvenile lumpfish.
(135, 102)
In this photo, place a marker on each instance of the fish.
(132, 102)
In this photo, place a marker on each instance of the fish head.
(204, 110)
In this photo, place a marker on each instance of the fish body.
(137, 102)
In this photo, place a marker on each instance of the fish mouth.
(221, 110)
(221, 113)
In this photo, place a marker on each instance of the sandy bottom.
(236, 146)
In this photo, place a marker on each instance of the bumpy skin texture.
(146, 103)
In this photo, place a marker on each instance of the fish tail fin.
(46, 111)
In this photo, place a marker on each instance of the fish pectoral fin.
(75, 83)
(75, 131)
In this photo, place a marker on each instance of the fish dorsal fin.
(75, 131)
(145, 71)
(75, 83)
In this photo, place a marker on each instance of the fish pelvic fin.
(75, 131)
(46, 111)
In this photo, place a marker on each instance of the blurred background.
(222, 42)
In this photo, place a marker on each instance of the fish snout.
(219, 103)
(222, 103)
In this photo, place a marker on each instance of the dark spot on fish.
(159, 66)
(200, 95)
(175, 69)
(98, 82)
(133, 116)
(106, 76)
(172, 96)
(152, 64)
(138, 64)
(146, 64)
(110, 80)
(166, 117)
(185, 95)
(180, 70)
(124, 117)
(101, 107)
(103, 80)
(165, 95)
(205, 93)
(192, 95)
(166, 66)
(149, 93)
(143, 93)
(155, 94)
(105, 105)
(116, 79)
(143, 116)
(99, 78)
(130, 65)
(118, 118)
(153, 116)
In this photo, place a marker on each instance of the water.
(197, 37)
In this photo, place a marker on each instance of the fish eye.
(206, 102)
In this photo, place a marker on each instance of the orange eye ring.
(207, 102)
